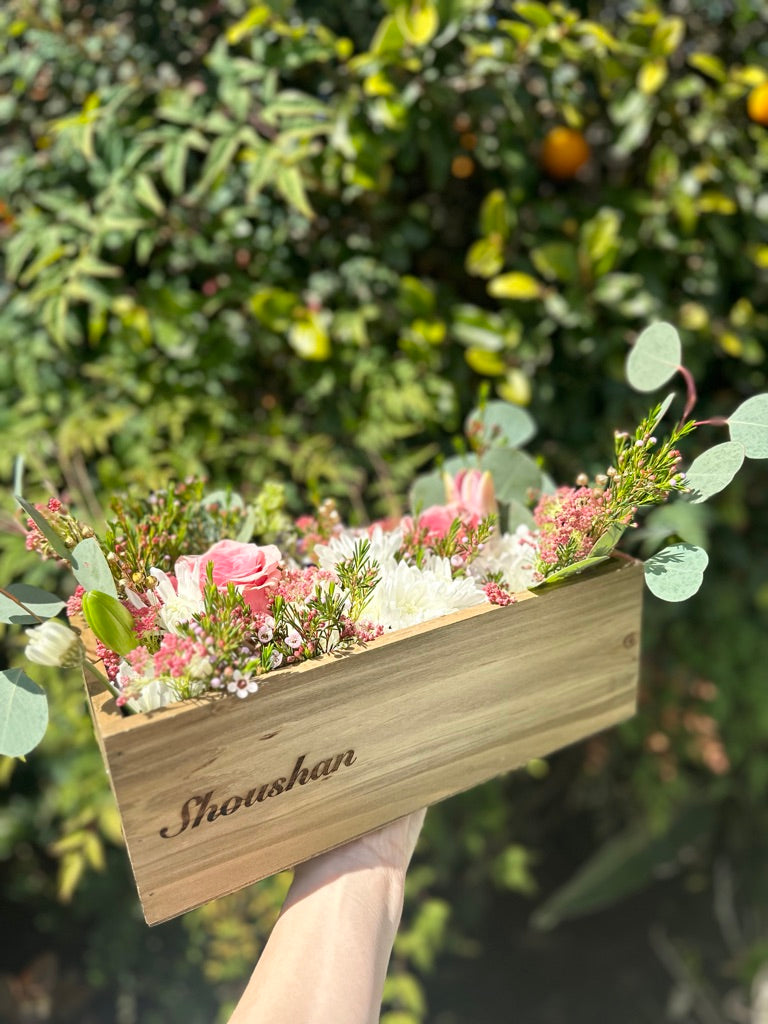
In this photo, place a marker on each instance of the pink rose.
(437, 521)
(252, 569)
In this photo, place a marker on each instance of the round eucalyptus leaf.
(654, 358)
(749, 426)
(426, 491)
(455, 463)
(676, 572)
(713, 470)
(91, 568)
(23, 713)
(43, 604)
(514, 514)
(514, 473)
(501, 423)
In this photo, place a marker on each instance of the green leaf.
(45, 528)
(654, 358)
(556, 260)
(43, 604)
(220, 156)
(18, 474)
(573, 569)
(427, 490)
(290, 184)
(91, 569)
(309, 338)
(536, 13)
(623, 865)
(145, 191)
(713, 470)
(676, 572)
(500, 423)
(514, 473)
(517, 514)
(23, 713)
(663, 409)
(174, 162)
(607, 541)
(515, 285)
(680, 520)
(710, 65)
(417, 20)
(749, 426)
(496, 218)
(485, 257)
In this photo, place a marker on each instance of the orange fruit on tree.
(757, 104)
(563, 152)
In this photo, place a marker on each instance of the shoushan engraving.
(200, 808)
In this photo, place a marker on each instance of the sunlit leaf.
(91, 568)
(749, 426)
(500, 423)
(23, 713)
(654, 358)
(676, 572)
(515, 285)
(713, 470)
(43, 604)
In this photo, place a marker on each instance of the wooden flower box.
(217, 793)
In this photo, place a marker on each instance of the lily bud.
(110, 621)
(54, 643)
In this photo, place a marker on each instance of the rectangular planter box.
(217, 793)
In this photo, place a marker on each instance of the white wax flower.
(54, 643)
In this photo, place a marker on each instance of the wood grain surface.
(218, 793)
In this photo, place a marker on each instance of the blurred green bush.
(293, 241)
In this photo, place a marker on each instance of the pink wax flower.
(471, 492)
(252, 569)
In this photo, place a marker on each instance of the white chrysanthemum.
(511, 554)
(406, 595)
(383, 546)
(177, 604)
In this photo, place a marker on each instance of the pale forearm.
(326, 959)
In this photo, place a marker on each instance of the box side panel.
(232, 793)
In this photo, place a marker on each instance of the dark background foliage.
(273, 241)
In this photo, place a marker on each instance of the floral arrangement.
(188, 593)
